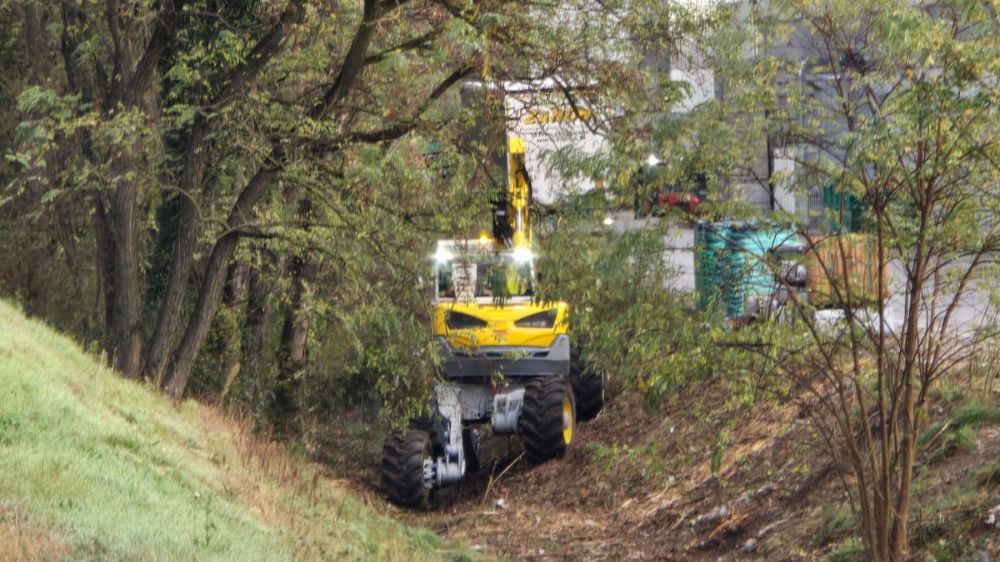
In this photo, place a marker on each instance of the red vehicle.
(675, 199)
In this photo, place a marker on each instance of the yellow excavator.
(506, 357)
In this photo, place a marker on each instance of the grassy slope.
(95, 467)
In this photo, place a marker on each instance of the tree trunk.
(182, 260)
(899, 545)
(769, 152)
(127, 93)
(126, 341)
(179, 371)
(105, 263)
(257, 316)
(292, 351)
(183, 360)
(168, 319)
(35, 263)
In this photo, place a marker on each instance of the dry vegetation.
(24, 540)
(639, 485)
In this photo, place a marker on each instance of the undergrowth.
(647, 458)
(957, 433)
(841, 520)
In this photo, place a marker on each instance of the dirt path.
(639, 487)
(633, 487)
(554, 511)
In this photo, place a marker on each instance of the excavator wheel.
(403, 457)
(588, 390)
(548, 419)
(470, 442)
(434, 426)
(588, 386)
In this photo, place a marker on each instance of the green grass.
(976, 414)
(96, 467)
(851, 550)
(988, 475)
(646, 459)
(841, 519)
(946, 437)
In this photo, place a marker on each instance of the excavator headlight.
(442, 255)
(459, 321)
(522, 255)
(545, 319)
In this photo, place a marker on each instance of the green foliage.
(841, 520)
(606, 456)
(648, 458)
(394, 356)
(949, 395)
(630, 323)
(944, 438)
(759, 360)
(851, 550)
(976, 414)
(715, 463)
(363, 213)
(634, 326)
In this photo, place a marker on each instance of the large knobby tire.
(434, 426)
(470, 442)
(403, 458)
(588, 391)
(548, 419)
(588, 386)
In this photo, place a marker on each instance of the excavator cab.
(474, 271)
(486, 321)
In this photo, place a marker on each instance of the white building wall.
(549, 123)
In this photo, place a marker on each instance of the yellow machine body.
(500, 327)
(486, 319)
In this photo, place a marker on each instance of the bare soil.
(638, 485)
(24, 540)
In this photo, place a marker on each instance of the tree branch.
(395, 131)
(263, 51)
(414, 43)
(166, 27)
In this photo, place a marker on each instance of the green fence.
(843, 211)
(732, 265)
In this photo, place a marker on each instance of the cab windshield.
(498, 277)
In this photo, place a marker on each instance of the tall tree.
(161, 109)
(895, 105)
